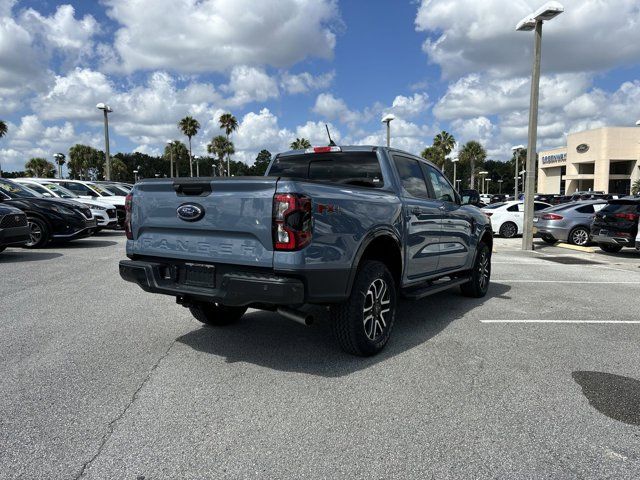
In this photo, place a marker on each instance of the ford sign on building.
(604, 159)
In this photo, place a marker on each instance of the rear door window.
(411, 177)
(585, 209)
(349, 168)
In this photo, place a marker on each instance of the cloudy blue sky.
(284, 67)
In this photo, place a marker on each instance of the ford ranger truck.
(353, 228)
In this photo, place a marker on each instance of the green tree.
(473, 155)
(180, 154)
(60, 161)
(229, 124)
(300, 144)
(635, 188)
(259, 167)
(189, 126)
(220, 147)
(85, 162)
(40, 167)
(444, 142)
(3, 132)
(432, 154)
(119, 170)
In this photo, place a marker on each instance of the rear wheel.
(362, 325)
(215, 314)
(549, 240)
(478, 284)
(579, 236)
(38, 233)
(609, 247)
(508, 230)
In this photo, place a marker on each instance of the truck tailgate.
(235, 223)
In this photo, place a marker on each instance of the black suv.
(48, 218)
(13, 227)
(616, 225)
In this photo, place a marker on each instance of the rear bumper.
(622, 241)
(14, 236)
(232, 288)
(559, 233)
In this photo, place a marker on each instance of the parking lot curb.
(576, 247)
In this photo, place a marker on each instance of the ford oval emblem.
(190, 212)
(582, 148)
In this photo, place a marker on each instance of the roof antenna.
(331, 142)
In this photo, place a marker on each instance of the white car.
(507, 218)
(638, 237)
(91, 191)
(104, 213)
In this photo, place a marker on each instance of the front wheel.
(215, 314)
(362, 325)
(478, 283)
(609, 247)
(38, 233)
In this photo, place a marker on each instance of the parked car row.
(36, 211)
(612, 224)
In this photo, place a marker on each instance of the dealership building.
(604, 159)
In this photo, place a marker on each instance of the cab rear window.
(349, 168)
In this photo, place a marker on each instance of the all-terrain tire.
(478, 284)
(362, 324)
(216, 315)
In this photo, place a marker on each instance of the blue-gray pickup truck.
(352, 228)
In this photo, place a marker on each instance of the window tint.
(585, 209)
(539, 206)
(411, 177)
(350, 168)
(514, 208)
(77, 188)
(621, 206)
(441, 187)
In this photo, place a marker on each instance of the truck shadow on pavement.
(86, 243)
(269, 340)
(24, 255)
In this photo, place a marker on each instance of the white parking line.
(562, 321)
(581, 282)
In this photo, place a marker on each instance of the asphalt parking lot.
(540, 379)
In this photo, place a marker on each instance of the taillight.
(128, 202)
(632, 217)
(291, 221)
(552, 216)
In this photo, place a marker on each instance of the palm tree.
(300, 144)
(60, 161)
(39, 167)
(221, 146)
(179, 151)
(3, 132)
(189, 127)
(444, 142)
(229, 124)
(472, 152)
(635, 188)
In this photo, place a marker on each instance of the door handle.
(416, 211)
(442, 207)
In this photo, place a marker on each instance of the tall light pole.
(197, 159)
(455, 163)
(500, 186)
(387, 119)
(534, 22)
(106, 109)
(458, 182)
(488, 180)
(516, 150)
(170, 145)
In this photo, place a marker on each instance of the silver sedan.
(569, 222)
